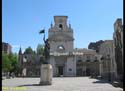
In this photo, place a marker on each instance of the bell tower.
(60, 23)
(61, 45)
(61, 35)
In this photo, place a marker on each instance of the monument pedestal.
(46, 74)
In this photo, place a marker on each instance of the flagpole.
(44, 37)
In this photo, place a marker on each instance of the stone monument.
(46, 67)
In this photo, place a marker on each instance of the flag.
(42, 31)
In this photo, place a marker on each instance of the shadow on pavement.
(32, 85)
(113, 83)
(102, 81)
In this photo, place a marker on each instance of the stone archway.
(60, 70)
(60, 65)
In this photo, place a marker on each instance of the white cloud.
(15, 46)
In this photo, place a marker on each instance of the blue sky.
(91, 20)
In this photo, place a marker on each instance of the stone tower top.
(118, 21)
(61, 35)
(118, 24)
(60, 22)
(20, 51)
(60, 19)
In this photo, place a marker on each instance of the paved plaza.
(59, 84)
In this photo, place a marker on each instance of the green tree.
(29, 50)
(31, 53)
(13, 58)
(14, 61)
(6, 63)
(10, 63)
(15, 64)
(40, 49)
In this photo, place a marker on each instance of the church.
(64, 58)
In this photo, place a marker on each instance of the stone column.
(100, 68)
(46, 74)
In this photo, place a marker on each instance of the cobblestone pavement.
(58, 84)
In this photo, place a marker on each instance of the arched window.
(61, 47)
(60, 26)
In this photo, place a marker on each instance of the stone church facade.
(65, 59)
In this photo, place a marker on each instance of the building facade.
(95, 45)
(29, 64)
(118, 47)
(108, 62)
(6, 47)
(65, 59)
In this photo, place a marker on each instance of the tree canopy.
(29, 50)
(9, 62)
(40, 49)
(6, 63)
